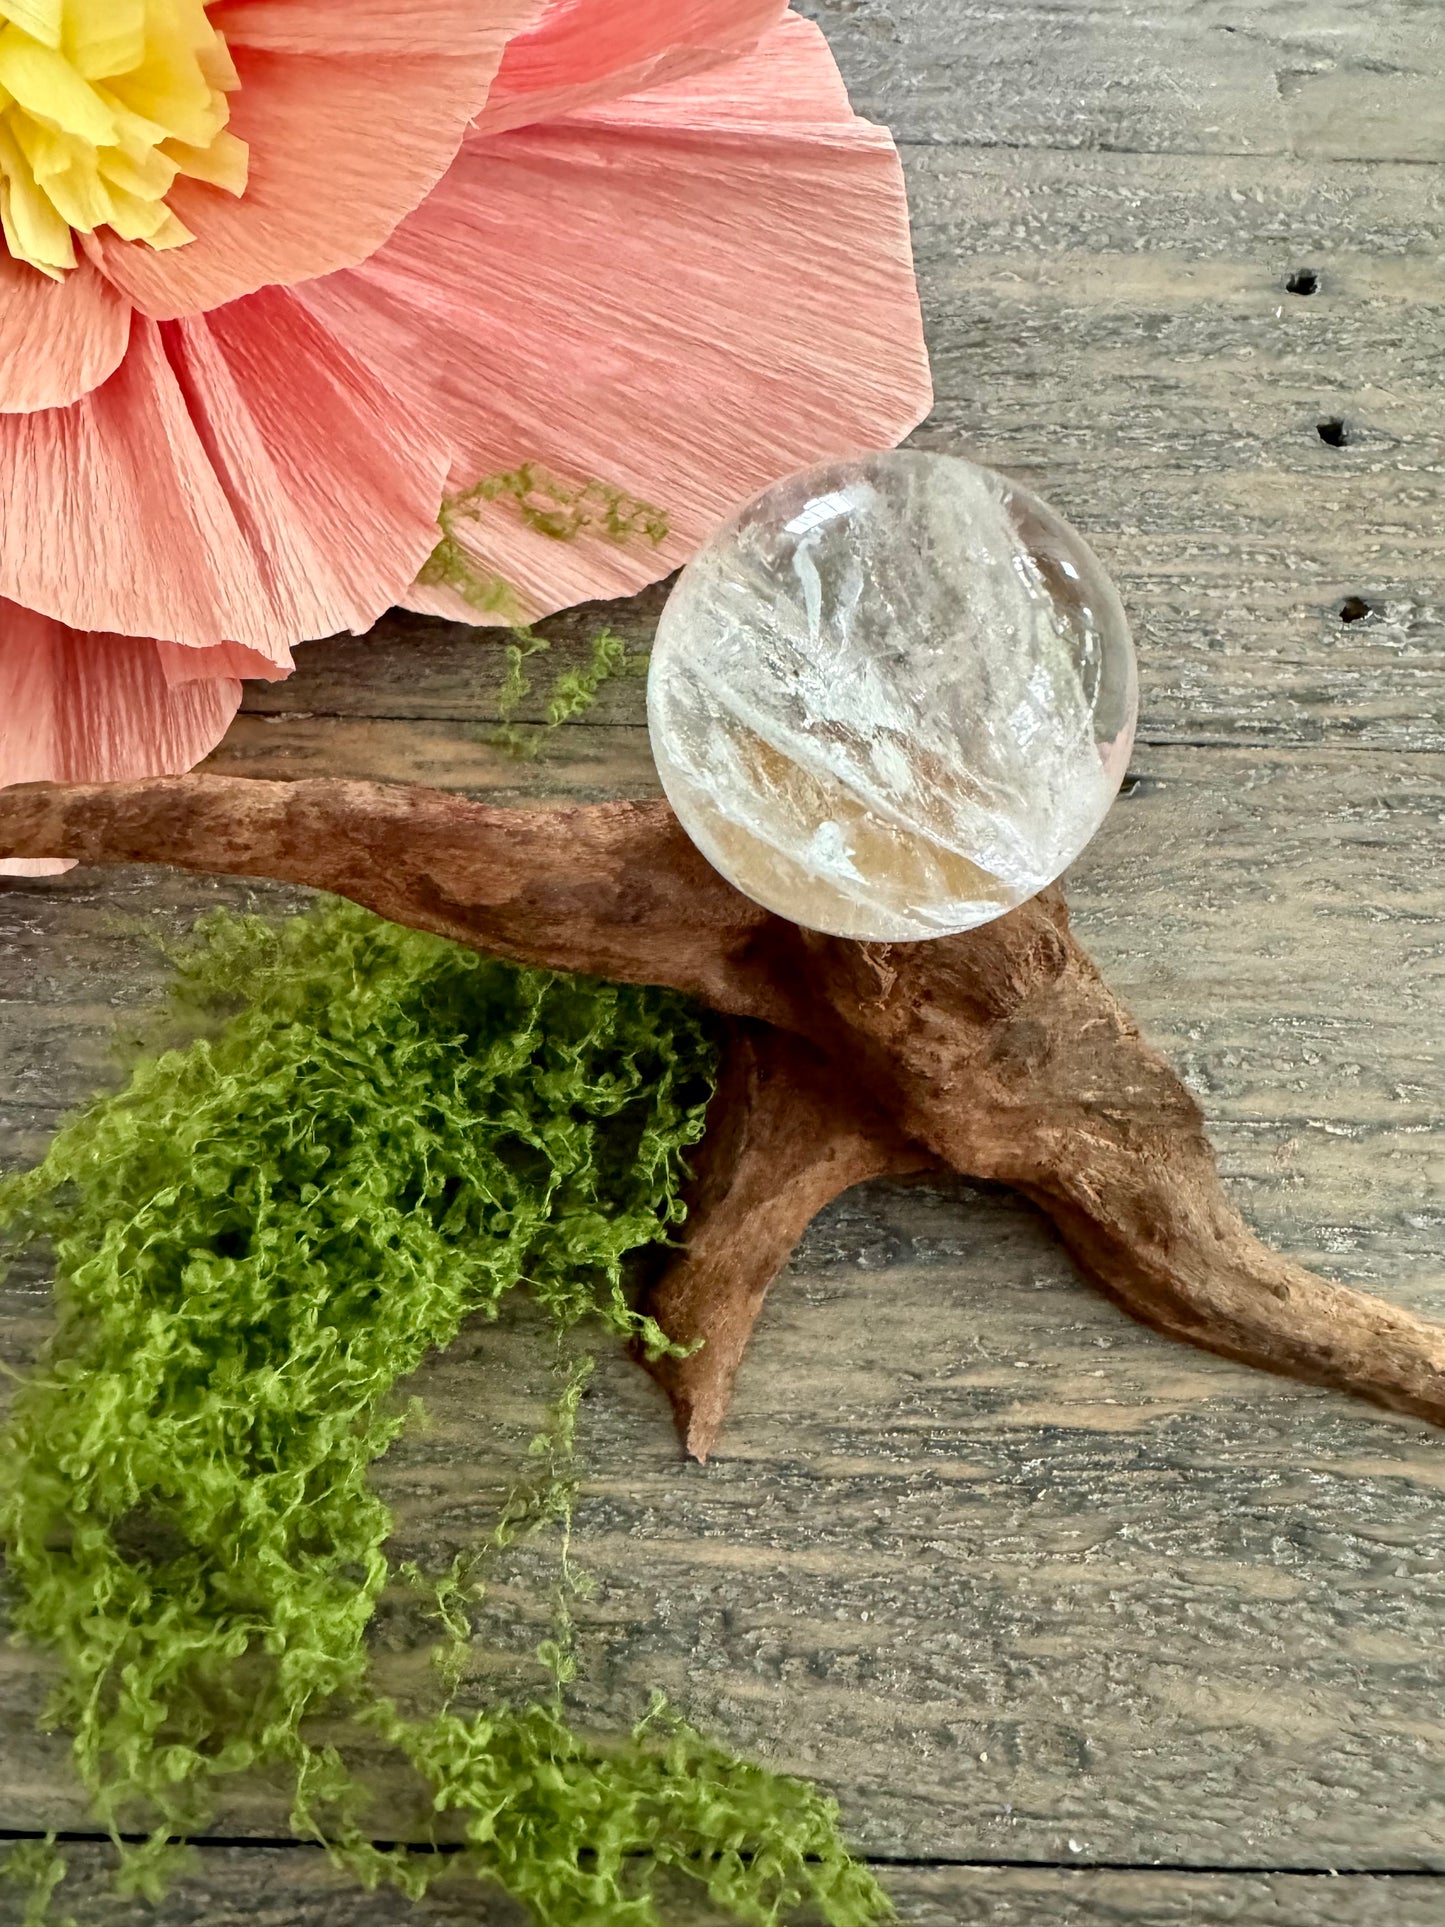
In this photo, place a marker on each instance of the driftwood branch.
(607, 890)
(1001, 1054)
(786, 1135)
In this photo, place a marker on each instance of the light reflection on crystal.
(893, 698)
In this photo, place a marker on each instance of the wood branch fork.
(1001, 1054)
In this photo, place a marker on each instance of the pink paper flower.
(572, 277)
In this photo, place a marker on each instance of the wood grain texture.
(1019, 1581)
(584, 764)
(1117, 330)
(271, 1887)
(1319, 79)
(1001, 1568)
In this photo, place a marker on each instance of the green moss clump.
(358, 1138)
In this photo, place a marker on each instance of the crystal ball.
(893, 697)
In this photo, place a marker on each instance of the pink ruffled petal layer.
(450, 29)
(58, 339)
(86, 708)
(352, 114)
(240, 479)
(716, 289)
(583, 51)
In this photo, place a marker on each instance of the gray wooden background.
(1083, 1629)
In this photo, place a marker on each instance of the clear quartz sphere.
(893, 697)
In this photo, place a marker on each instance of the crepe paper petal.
(453, 29)
(583, 51)
(716, 288)
(239, 479)
(181, 664)
(58, 339)
(343, 144)
(86, 708)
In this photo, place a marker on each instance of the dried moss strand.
(573, 693)
(358, 1137)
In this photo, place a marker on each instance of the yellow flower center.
(102, 104)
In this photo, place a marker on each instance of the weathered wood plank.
(1007, 1580)
(1119, 330)
(583, 763)
(275, 1887)
(1009, 1897)
(1115, 330)
(418, 668)
(1004, 1570)
(1320, 79)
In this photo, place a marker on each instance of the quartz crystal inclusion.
(893, 698)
